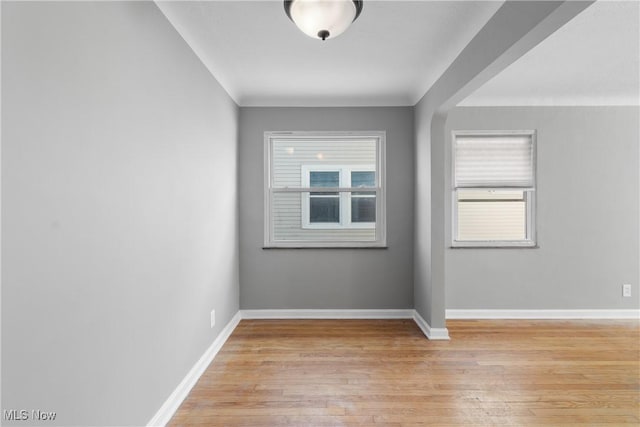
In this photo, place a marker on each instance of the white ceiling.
(397, 49)
(389, 56)
(593, 60)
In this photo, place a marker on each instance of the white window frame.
(344, 172)
(380, 190)
(529, 196)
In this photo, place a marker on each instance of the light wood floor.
(385, 372)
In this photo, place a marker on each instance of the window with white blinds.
(494, 189)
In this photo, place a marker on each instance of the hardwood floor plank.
(385, 373)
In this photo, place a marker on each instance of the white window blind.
(486, 161)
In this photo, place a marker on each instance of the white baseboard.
(431, 333)
(328, 314)
(542, 314)
(173, 402)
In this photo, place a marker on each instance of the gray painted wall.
(119, 210)
(587, 214)
(327, 278)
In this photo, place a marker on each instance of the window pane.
(363, 179)
(324, 209)
(363, 209)
(491, 215)
(324, 179)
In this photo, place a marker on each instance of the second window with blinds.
(494, 189)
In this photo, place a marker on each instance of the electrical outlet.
(626, 290)
(213, 318)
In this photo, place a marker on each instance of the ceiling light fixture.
(323, 18)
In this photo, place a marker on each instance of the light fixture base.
(323, 19)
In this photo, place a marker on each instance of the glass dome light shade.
(323, 18)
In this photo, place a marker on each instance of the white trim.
(543, 314)
(630, 100)
(328, 314)
(493, 244)
(173, 402)
(305, 244)
(266, 183)
(344, 197)
(428, 331)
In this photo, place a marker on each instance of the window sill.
(488, 246)
(324, 247)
